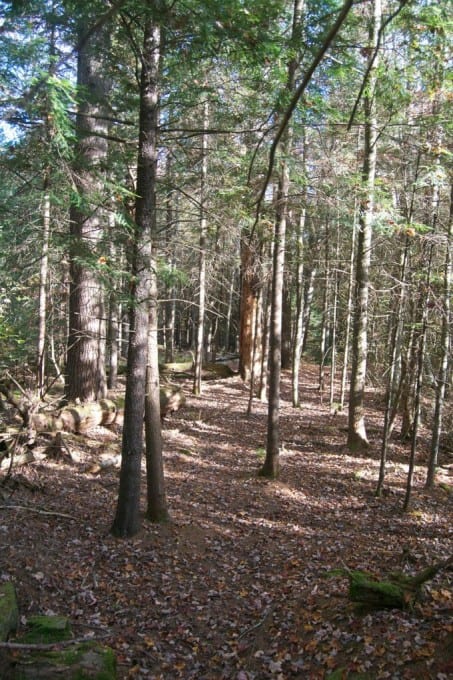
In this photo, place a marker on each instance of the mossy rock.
(46, 629)
(87, 661)
(366, 591)
(9, 612)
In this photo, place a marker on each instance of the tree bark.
(249, 301)
(127, 518)
(357, 437)
(271, 464)
(298, 334)
(202, 257)
(86, 342)
(43, 270)
(445, 342)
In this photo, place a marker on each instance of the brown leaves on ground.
(237, 586)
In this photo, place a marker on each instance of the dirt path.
(236, 586)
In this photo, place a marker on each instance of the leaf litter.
(238, 585)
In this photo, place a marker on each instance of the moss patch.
(9, 612)
(87, 661)
(47, 629)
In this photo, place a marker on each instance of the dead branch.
(47, 647)
(37, 510)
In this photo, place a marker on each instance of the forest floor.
(237, 586)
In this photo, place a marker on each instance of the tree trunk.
(309, 290)
(286, 323)
(325, 325)
(270, 467)
(157, 510)
(334, 315)
(249, 300)
(42, 311)
(349, 309)
(271, 464)
(113, 322)
(445, 342)
(202, 258)
(127, 518)
(391, 392)
(170, 303)
(357, 437)
(298, 333)
(419, 347)
(86, 341)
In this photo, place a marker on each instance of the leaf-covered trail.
(236, 586)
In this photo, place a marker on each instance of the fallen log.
(77, 418)
(214, 371)
(397, 591)
(176, 367)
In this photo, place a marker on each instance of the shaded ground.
(236, 586)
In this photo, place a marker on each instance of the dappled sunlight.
(243, 556)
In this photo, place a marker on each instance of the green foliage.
(261, 453)
(170, 276)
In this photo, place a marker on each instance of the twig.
(51, 645)
(40, 512)
(257, 625)
(18, 385)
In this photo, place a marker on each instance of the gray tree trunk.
(127, 518)
(202, 257)
(85, 372)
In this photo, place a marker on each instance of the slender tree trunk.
(286, 322)
(271, 463)
(127, 518)
(202, 260)
(309, 290)
(333, 338)
(257, 342)
(298, 335)
(391, 396)
(113, 321)
(420, 335)
(270, 467)
(324, 349)
(229, 314)
(349, 310)
(112, 336)
(249, 299)
(170, 302)
(445, 345)
(157, 510)
(42, 310)
(357, 437)
(264, 374)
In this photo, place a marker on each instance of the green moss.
(376, 593)
(9, 612)
(87, 661)
(47, 629)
